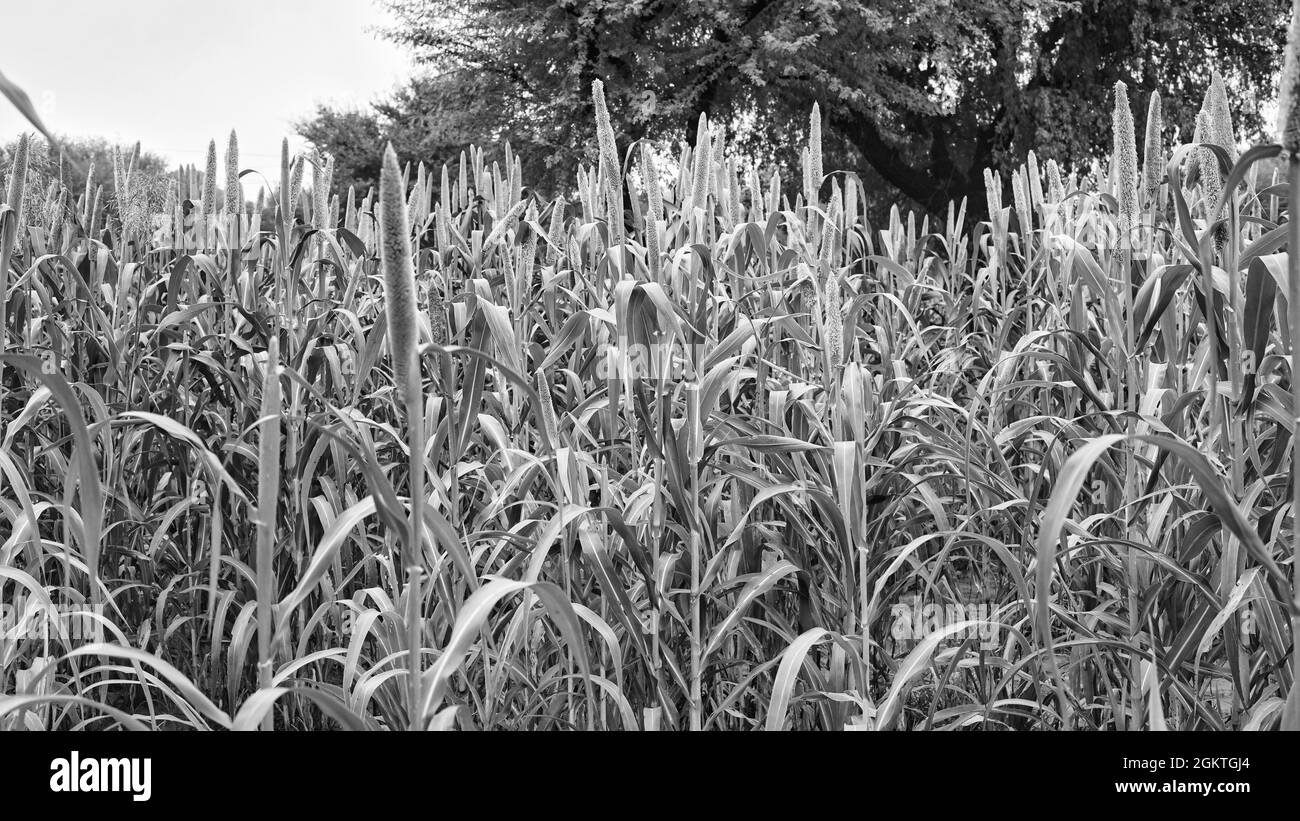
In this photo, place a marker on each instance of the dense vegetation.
(704, 448)
(918, 98)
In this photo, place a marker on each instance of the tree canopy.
(919, 96)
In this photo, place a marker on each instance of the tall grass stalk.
(268, 492)
(400, 302)
(1289, 134)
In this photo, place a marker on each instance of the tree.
(919, 95)
(352, 136)
(431, 118)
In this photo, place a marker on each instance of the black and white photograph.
(650, 366)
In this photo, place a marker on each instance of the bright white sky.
(174, 74)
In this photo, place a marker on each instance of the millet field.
(689, 446)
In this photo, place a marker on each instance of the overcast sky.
(175, 74)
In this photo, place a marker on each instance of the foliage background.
(919, 97)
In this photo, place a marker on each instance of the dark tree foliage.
(919, 95)
(351, 136)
